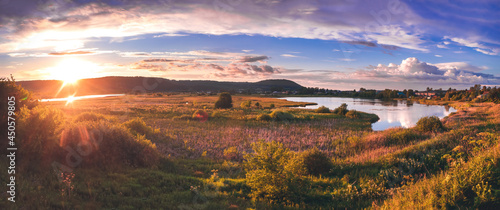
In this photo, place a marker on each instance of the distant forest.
(137, 85)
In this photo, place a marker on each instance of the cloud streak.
(36, 25)
(218, 65)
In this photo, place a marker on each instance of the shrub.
(102, 144)
(224, 102)
(264, 117)
(269, 175)
(281, 115)
(341, 110)
(89, 116)
(137, 126)
(322, 109)
(316, 162)
(9, 89)
(37, 131)
(401, 136)
(257, 105)
(246, 104)
(353, 114)
(200, 115)
(271, 106)
(427, 124)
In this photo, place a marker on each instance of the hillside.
(111, 85)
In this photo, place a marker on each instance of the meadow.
(176, 151)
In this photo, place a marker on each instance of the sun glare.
(71, 70)
(70, 99)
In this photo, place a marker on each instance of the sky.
(344, 44)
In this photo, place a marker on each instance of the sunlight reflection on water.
(74, 98)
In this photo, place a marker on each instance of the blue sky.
(331, 44)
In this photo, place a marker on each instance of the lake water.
(394, 113)
(74, 98)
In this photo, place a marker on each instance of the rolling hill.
(112, 85)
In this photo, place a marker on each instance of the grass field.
(177, 152)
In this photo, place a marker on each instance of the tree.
(410, 92)
(224, 102)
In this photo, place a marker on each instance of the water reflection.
(394, 113)
(74, 98)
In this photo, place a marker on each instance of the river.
(393, 113)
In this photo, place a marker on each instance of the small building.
(426, 93)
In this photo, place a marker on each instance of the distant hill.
(112, 85)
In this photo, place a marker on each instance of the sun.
(71, 70)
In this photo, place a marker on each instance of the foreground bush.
(281, 115)
(322, 109)
(269, 174)
(467, 185)
(137, 126)
(37, 130)
(10, 91)
(316, 162)
(102, 144)
(428, 124)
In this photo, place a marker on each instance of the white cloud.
(488, 50)
(460, 66)
(169, 35)
(289, 55)
(414, 71)
(439, 56)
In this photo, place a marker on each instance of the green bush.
(37, 131)
(246, 104)
(281, 115)
(102, 144)
(353, 114)
(322, 109)
(224, 102)
(10, 90)
(89, 116)
(137, 126)
(316, 162)
(264, 117)
(341, 110)
(272, 106)
(269, 175)
(428, 124)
